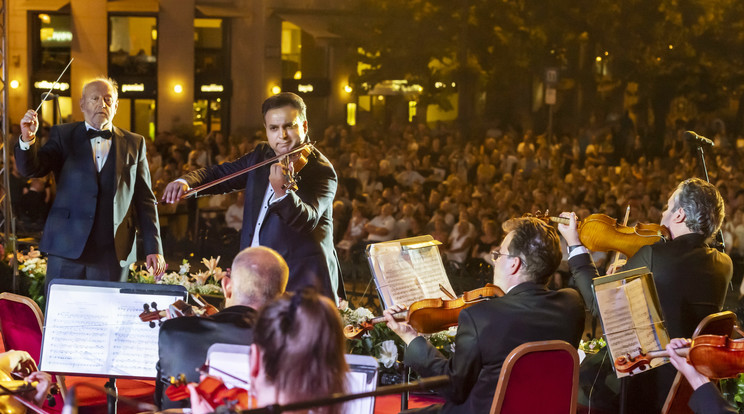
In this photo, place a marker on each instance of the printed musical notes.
(408, 270)
(630, 318)
(96, 330)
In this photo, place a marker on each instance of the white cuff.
(25, 146)
(577, 251)
(276, 200)
(181, 180)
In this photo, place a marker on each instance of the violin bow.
(625, 223)
(271, 160)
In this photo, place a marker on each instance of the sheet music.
(617, 321)
(96, 330)
(405, 274)
(627, 318)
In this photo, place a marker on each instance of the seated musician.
(258, 275)
(527, 257)
(690, 277)
(706, 398)
(297, 354)
(19, 365)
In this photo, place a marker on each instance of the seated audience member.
(487, 332)
(20, 365)
(258, 275)
(297, 353)
(706, 398)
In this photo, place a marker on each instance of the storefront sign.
(319, 87)
(212, 87)
(46, 85)
(132, 87)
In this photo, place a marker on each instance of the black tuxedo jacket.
(707, 399)
(691, 280)
(488, 332)
(299, 227)
(183, 344)
(69, 155)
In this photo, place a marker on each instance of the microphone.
(48, 96)
(693, 136)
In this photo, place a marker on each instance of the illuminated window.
(291, 50)
(52, 39)
(209, 56)
(132, 46)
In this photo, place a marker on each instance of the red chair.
(540, 378)
(21, 323)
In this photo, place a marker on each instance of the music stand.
(92, 328)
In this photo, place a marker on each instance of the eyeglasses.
(495, 254)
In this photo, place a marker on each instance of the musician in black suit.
(297, 224)
(103, 191)
(258, 275)
(487, 332)
(690, 277)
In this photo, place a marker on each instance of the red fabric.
(390, 404)
(20, 328)
(540, 383)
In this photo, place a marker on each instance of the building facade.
(198, 64)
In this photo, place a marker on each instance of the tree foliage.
(668, 47)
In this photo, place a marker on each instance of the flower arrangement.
(592, 346)
(383, 344)
(203, 282)
(33, 267)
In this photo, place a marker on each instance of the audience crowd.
(406, 180)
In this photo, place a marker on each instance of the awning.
(222, 9)
(314, 24)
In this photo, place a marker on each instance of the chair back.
(21, 322)
(538, 377)
(721, 323)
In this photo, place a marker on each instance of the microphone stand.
(422, 384)
(71, 404)
(719, 243)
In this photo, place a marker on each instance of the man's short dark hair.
(537, 245)
(702, 204)
(283, 99)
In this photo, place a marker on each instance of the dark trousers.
(106, 268)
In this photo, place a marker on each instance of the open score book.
(631, 315)
(408, 270)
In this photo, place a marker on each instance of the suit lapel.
(122, 152)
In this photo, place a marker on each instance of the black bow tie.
(93, 133)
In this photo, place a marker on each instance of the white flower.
(343, 305)
(388, 353)
(184, 269)
(361, 315)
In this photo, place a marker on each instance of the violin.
(212, 389)
(430, 315)
(11, 391)
(602, 233)
(298, 162)
(177, 309)
(293, 163)
(715, 356)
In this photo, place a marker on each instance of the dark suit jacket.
(69, 155)
(708, 400)
(488, 332)
(183, 344)
(299, 227)
(691, 280)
